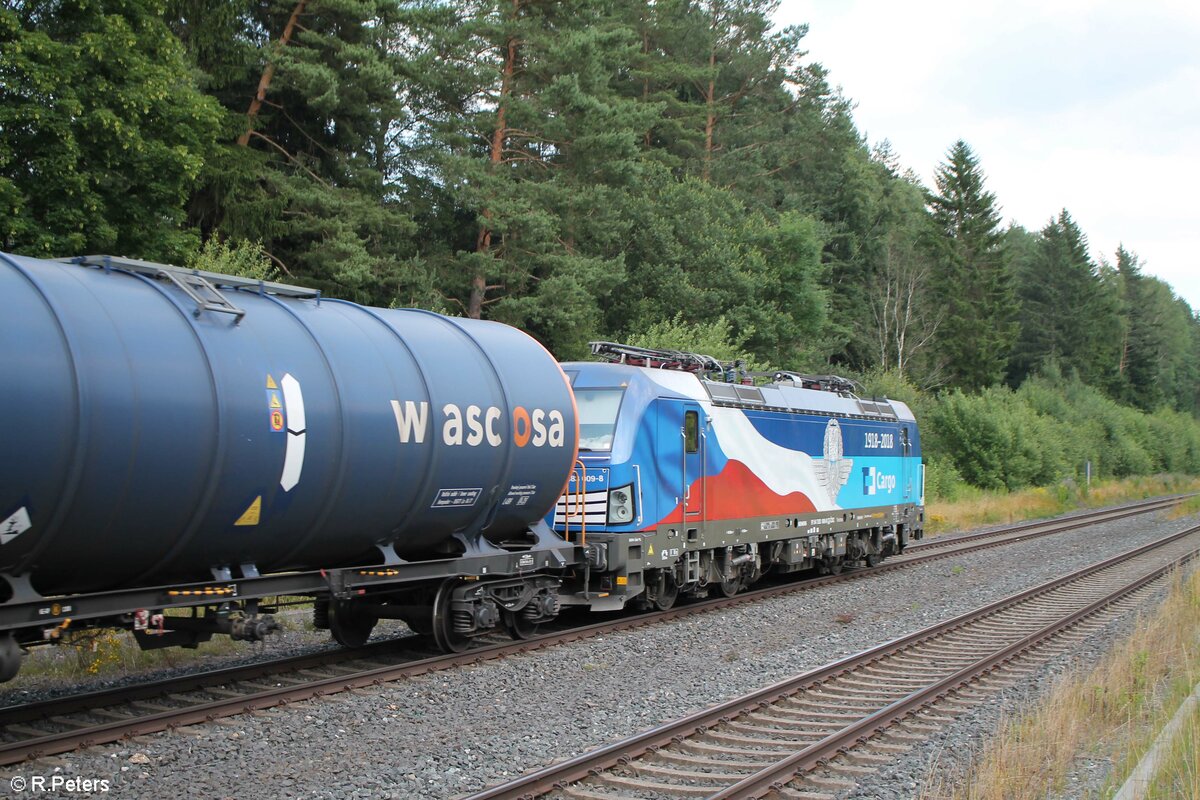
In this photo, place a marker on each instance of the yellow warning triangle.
(250, 515)
(275, 401)
(650, 551)
(271, 382)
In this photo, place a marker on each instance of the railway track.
(62, 724)
(814, 736)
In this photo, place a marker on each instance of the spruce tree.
(1158, 363)
(975, 288)
(1069, 310)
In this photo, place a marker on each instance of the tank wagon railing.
(201, 287)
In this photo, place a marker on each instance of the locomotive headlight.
(620, 505)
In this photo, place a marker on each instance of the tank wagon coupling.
(696, 476)
(196, 445)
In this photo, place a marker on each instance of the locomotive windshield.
(597, 417)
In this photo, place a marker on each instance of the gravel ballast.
(459, 730)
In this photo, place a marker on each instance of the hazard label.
(273, 400)
(252, 513)
(276, 420)
(16, 524)
(271, 382)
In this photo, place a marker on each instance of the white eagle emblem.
(832, 469)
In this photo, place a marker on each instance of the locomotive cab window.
(691, 432)
(597, 417)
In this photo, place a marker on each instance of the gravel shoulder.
(451, 732)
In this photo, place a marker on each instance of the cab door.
(692, 441)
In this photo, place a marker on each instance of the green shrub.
(1043, 433)
(943, 482)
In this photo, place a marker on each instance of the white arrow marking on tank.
(15, 525)
(293, 457)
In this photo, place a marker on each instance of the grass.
(1112, 713)
(976, 508)
(110, 653)
(1186, 508)
(1177, 778)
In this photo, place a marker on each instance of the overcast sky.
(1089, 106)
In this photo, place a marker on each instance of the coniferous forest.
(677, 173)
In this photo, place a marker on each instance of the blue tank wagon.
(174, 438)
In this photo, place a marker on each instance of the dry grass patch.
(980, 508)
(1110, 714)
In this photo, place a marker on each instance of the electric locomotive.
(692, 479)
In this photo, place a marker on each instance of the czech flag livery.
(680, 476)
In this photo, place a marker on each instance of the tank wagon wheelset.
(181, 446)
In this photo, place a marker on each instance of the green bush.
(1045, 432)
(943, 482)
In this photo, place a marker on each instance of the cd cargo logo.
(875, 481)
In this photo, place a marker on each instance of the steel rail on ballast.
(591, 765)
(1093, 517)
(304, 687)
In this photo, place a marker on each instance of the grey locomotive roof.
(792, 398)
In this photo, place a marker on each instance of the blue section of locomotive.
(617, 432)
(886, 453)
(159, 429)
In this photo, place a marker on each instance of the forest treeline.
(578, 168)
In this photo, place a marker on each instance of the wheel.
(835, 565)
(667, 591)
(349, 626)
(728, 587)
(872, 559)
(10, 657)
(443, 621)
(518, 626)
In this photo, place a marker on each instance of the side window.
(904, 443)
(691, 432)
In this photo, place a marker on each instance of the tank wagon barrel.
(173, 431)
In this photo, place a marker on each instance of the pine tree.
(540, 153)
(310, 91)
(975, 287)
